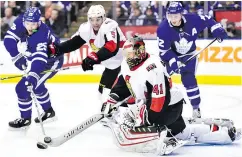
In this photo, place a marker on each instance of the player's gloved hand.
(174, 66)
(108, 106)
(220, 34)
(20, 61)
(31, 82)
(89, 61)
(53, 51)
(137, 115)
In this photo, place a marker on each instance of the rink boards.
(221, 63)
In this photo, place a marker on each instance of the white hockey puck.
(47, 139)
(41, 145)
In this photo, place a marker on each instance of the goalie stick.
(55, 142)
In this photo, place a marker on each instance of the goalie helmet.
(134, 51)
(96, 11)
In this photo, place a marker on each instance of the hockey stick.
(36, 105)
(196, 54)
(60, 69)
(44, 72)
(183, 64)
(11, 77)
(55, 142)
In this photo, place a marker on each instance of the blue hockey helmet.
(32, 14)
(175, 8)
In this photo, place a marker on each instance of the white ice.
(74, 103)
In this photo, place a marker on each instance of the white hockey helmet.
(96, 11)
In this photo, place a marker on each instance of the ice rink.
(74, 103)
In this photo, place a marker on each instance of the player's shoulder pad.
(84, 27)
(109, 25)
(154, 64)
(191, 17)
(163, 28)
(18, 25)
(84, 31)
(44, 31)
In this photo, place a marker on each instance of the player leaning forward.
(156, 107)
(176, 36)
(29, 30)
(105, 38)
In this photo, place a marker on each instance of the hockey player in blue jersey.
(176, 37)
(39, 39)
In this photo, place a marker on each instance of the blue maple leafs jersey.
(175, 41)
(37, 44)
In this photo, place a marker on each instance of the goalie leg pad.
(208, 134)
(133, 141)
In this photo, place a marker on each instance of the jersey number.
(13, 26)
(42, 47)
(157, 89)
(161, 42)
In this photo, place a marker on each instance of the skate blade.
(49, 120)
(25, 128)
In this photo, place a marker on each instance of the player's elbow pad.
(11, 46)
(71, 45)
(109, 50)
(168, 55)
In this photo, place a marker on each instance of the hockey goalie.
(152, 122)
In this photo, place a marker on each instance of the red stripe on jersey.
(131, 100)
(111, 46)
(157, 104)
(121, 44)
(115, 82)
(128, 46)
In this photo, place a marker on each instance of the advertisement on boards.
(231, 16)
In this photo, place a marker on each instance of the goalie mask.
(134, 51)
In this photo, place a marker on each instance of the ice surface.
(74, 103)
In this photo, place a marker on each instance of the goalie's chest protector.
(136, 79)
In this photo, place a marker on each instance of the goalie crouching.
(152, 122)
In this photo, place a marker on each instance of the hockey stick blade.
(55, 142)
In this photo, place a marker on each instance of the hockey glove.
(137, 115)
(20, 61)
(108, 106)
(32, 80)
(220, 34)
(174, 66)
(87, 63)
(53, 51)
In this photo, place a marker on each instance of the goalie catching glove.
(136, 115)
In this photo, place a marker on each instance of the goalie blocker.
(153, 120)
